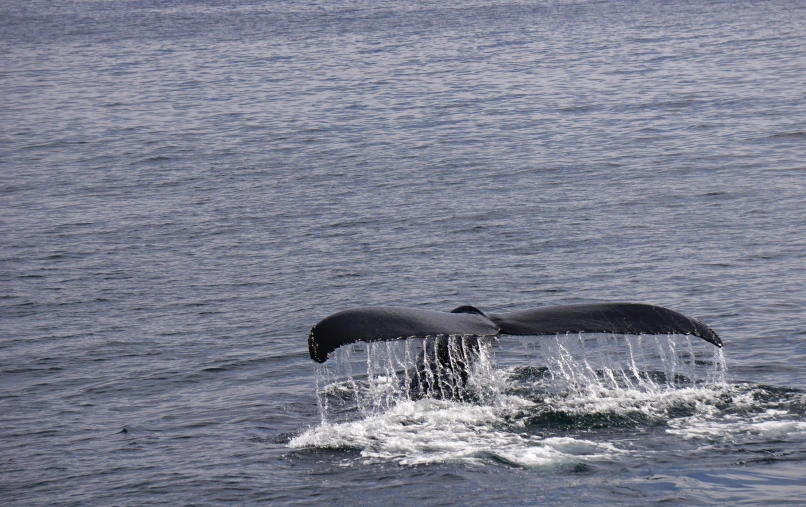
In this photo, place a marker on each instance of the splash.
(520, 402)
(593, 364)
(441, 431)
(371, 378)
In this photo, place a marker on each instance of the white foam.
(770, 424)
(431, 431)
(652, 404)
(576, 380)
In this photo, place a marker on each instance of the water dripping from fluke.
(528, 402)
(370, 378)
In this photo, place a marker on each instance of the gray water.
(187, 187)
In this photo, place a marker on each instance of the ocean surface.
(187, 187)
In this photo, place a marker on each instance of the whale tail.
(386, 323)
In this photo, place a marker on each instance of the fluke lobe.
(385, 323)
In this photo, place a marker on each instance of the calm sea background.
(187, 187)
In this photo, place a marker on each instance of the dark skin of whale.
(383, 323)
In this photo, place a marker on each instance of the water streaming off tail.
(519, 401)
(366, 379)
(597, 363)
(372, 377)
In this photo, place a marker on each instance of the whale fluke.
(385, 323)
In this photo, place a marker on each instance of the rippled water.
(186, 188)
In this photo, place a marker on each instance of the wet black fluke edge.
(384, 323)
